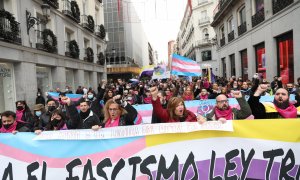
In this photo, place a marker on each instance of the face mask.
(38, 94)
(20, 108)
(55, 122)
(51, 108)
(7, 126)
(67, 90)
(38, 113)
(90, 96)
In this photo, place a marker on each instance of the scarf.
(12, 128)
(206, 84)
(227, 114)
(111, 123)
(289, 112)
(188, 97)
(19, 114)
(147, 100)
(204, 96)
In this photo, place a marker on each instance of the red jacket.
(164, 115)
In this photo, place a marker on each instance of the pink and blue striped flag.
(184, 66)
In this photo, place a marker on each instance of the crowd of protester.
(111, 104)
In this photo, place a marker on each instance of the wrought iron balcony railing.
(71, 9)
(279, 5)
(242, 28)
(40, 42)
(88, 22)
(222, 41)
(258, 17)
(89, 55)
(53, 3)
(231, 36)
(205, 20)
(10, 31)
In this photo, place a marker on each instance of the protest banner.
(256, 149)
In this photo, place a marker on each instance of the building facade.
(48, 44)
(258, 36)
(128, 48)
(196, 38)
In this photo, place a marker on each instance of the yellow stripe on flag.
(286, 130)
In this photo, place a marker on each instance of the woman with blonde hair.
(188, 94)
(175, 112)
(119, 113)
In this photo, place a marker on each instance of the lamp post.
(31, 21)
(114, 54)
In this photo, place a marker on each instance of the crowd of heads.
(172, 93)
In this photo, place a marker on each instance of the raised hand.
(237, 94)
(261, 89)
(154, 92)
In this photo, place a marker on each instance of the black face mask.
(7, 126)
(51, 108)
(55, 122)
(20, 108)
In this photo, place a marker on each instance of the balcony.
(203, 43)
(222, 41)
(88, 22)
(53, 3)
(231, 36)
(100, 31)
(204, 21)
(222, 8)
(280, 5)
(9, 29)
(101, 59)
(242, 28)
(49, 44)
(89, 55)
(204, 2)
(71, 9)
(258, 17)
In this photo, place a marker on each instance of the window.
(206, 55)
(244, 62)
(230, 25)
(232, 64)
(222, 35)
(258, 4)
(97, 16)
(285, 56)
(205, 34)
(242, 15)
(224, 67)
(260, 60)
(204, 14)
(86, 43)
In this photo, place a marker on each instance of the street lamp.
(114, 54)
(31, 21)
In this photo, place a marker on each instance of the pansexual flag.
(184, 66)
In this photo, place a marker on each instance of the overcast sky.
(161, 20)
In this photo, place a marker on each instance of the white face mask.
(38, 113)
(90, 96)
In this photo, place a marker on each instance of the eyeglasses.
(113, 109)
(222, 101)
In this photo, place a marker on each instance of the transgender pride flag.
(184, 67)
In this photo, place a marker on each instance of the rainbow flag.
(184, 66)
